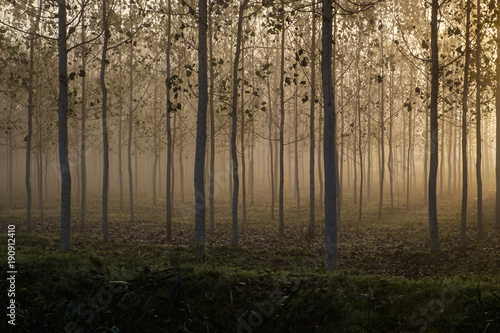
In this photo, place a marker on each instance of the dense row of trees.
(404, 85)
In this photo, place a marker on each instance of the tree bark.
(212, 131)
(282, 126)
(201, 133)
(234, 124)
(497, 131)
(83, 148)
(169, 134)
(312, 198)
(130, 128)
(330, 156)
(105, 144)
(62, 113)
(478, 125)
(433, 221)
(463, 231)
(382, 121)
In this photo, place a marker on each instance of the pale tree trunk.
(120, 113)
(390, 161)
(181, 162)
(497, 131)
(40, 151)
(433, 221)
(174, 139)
(212, 130)
(465, 96)
(155, 131)
(330, 156)
(83, 162)
(30, 119)
(243, 164)
(410, 147)
(271, 162)
(381, 120)
(234, 124)
(478, 126)
(360, 147)
(296, 152)
(105, 144)
(62, 112)
(169, 134)
(201, 134)
(426, 148)
(129, 145)
(282, 126)
(312, 198)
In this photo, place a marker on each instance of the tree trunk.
(282, 125)
(243, 164)
(271, 162)
(312, 198)
(382, 121)
(169, 136)
(478, 126)
(155, 131)
(83, 162)
(105, 145)
(201, 134)
(62, 113)
(212, 131)
(465, 96)
(331, 244)
(433, 221)
(129, 145)
(497, 131)
(234, 124)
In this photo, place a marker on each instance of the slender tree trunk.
(130, 128)
(201, 133)
(212, 130)
(464, 128)
(282, 125)
(478, 125)
(155, 131)
(243, 164)
(120, 113)
(271, 162)
(40, 151)
(433, 221)
(497, 131)
(296, 152)
(331, 244)
(390, 161)
(83, 148)
(30, 131)
(234, 123)
(63, 129)
(105, 144)
(382, 124)
(181, 162)
(410, 147)
(311, 231)
(426, 150)
(200, 215)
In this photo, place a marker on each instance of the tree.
(30, 117)
(330, 154)
(104, 119)
(497, 110)
(478, 125)
(62, 113)
(201, 133)
(169, 134)
(282, 125)
(234, 123)
(312, 217)
(465, 96)
(433, 220)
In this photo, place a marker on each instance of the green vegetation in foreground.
(117, 287)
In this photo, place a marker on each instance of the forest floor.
(387, 281)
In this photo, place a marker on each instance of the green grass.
(388, 281)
